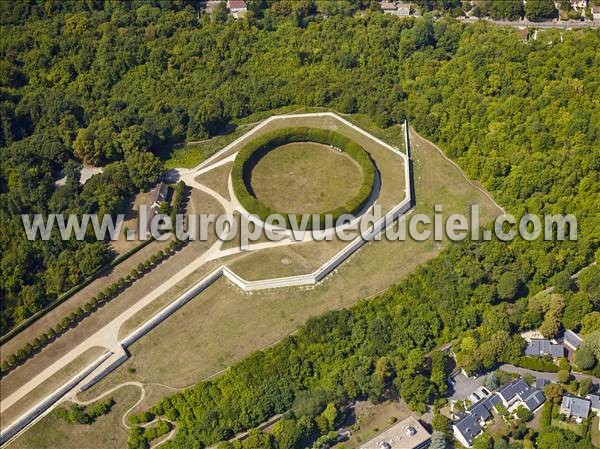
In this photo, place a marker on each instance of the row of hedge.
(537, 364)
(251, 154)
(71, 320)
(179, 200)
(72, 291)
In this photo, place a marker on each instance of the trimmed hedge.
(537, 364)
(69, 293)
(252, 153)
(70, 321)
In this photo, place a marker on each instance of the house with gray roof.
(594, 402)
(469, 424)
(539, 347)
(572, 340)
(467, 428)
(574, 407)
(518, 393)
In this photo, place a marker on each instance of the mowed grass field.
(54, 382)
(108, 428)
(217, 179)
(305, 178)
(222, 325)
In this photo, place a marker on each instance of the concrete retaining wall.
(106, 367)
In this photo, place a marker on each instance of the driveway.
(462, 386)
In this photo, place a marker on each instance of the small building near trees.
(406, 434)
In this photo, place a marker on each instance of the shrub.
(156, 431)
(563, 376)
(100, 408)
(546, 418)
(141, 418)
(536, 364)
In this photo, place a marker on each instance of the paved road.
(552, 377)
(565, 25)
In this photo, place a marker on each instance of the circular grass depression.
(252, 153)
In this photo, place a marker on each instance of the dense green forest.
(112, 83)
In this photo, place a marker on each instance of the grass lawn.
(291, 260)
(595, 431)
(130, 222)
(578, 429)
(52, 432)
(373, 419)
(305, 177)
(223, 325)
(42, 390)
(217, 179)
(188, 155)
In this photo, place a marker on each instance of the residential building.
(596, 12)
(571, 340)
(479, 394)
(238, 8)
(466, 429)
(470, 424)
(388, 7)
(574, 407)
(403, 9)
(406, 434)
(520, 393)
(398, 9)
(538, 347)
(594, 402)
(158, 195)
(579, 5)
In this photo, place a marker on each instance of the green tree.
(585, 385)
(590, 323)
(483, 441)
(563, 283)
(523, 414)
(507, 9)
(330, 414)
(584, 358)
(508, 285)
(553, 392)
(539, 10)
(144, 168)
(441, 423)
